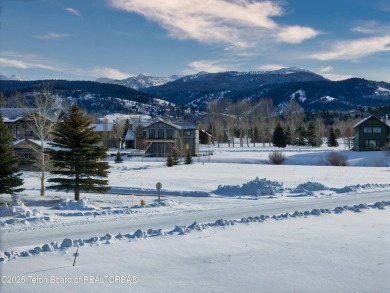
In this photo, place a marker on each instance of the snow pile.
(257, 187)
(181, 230)
(18, 213)
(17, 209)
(308, 188)
(167, 203)
(264, 187)
(362, 188)
(83, 204)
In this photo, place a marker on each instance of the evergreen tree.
(169, 161)
(10, 180)
(175, 157)
(301, 139)
(77, 155)
(332, 138)
(279, 138)
(311, 136)
(118, 158)
(188, 158)
(126, 128)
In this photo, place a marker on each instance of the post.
(75, 256)
(158, 186)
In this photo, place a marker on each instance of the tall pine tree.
(332, 138)
(77, 155)
(279, 138)
(10, 180)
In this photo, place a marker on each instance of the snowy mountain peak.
(139, 81)
(12, 77)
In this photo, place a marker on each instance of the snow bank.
(264, 187)
(83, 204)
(180, 230)
(257, 187)
(18, 213)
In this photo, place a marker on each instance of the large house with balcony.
(371, 133)
(20, 124)
(161, 138)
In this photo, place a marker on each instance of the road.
(233, 210)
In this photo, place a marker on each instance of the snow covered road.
(211, 209)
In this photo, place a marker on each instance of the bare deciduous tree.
(294, 115)
(43, 118)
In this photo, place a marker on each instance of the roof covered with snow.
(15, 114)
(102, 127)
(129, 135)
(368, 118)
(177, 125)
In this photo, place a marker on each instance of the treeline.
(254, 122)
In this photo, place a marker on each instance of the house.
(20, 121)
(161, 137)
(27, 151)
(371, 133)
(129, 141)
(205, 137)
(22, 128)
(106, 132)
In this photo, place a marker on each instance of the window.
(187, 133)
(29, 133)
(160, 133)
(152, 133)
(367, 129)
(372, 130)
(169, 133)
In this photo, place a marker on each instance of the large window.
(169, 133)
(372, 129)
(160, 133)
(152, 133)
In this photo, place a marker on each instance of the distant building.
(161, 137)
(371, 134)
(20, 122)
(106, 132)
(21, 127)
(205, 137)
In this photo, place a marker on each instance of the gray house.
(371, 133)
(161, 137)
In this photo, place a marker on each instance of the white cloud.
(110, 73)
(296, 34)
(73, 11)
(205, 65)
(337, 77)
(240, 23)
(354, 50)
(270, 67)
(326, 71)
(52, 36)
(7, 62)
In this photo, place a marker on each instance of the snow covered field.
(228, 222)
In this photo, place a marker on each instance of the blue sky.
(87, 39)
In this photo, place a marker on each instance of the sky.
(88, 39)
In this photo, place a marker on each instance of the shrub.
(188, 159)
(118, 158)
(336, 159)
(276, 158)
(170, 162)
(142, 202)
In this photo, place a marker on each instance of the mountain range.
(140, 81)
(314, 92)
